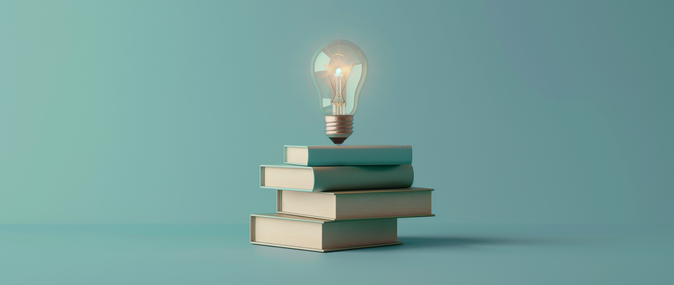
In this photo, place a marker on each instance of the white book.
(364, 204)
(304, 233)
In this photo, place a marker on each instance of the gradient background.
(131, 133)
(162, 111)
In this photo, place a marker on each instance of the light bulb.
(338, 70)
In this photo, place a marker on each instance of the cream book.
(365, 204)
(333, 178)
(321, 235)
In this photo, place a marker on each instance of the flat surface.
(432, 253)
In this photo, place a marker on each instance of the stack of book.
(331, 198)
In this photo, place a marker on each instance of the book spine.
(362, 177)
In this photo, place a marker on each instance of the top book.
(347, 155)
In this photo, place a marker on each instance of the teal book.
(335, 178)
(347, 155)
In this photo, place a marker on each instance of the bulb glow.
(338, 71)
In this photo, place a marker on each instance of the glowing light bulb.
(338, 71)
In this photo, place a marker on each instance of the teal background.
(162, 111)
(131, 133)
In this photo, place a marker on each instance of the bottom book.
(304, 233)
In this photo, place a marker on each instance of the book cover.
(334, 178)
(347, 155)
(321, 235)
(345, 205)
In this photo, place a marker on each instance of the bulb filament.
(338, 101)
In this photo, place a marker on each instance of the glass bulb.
(338, 71)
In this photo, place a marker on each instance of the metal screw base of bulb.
(338, 127)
